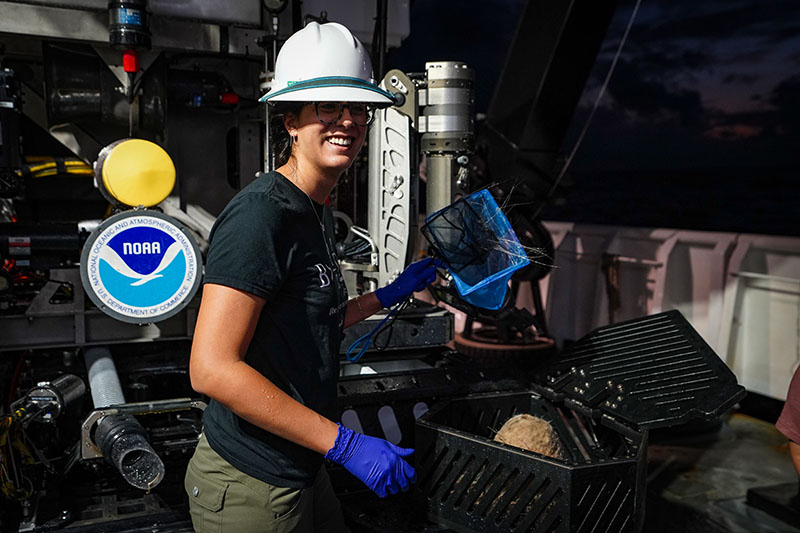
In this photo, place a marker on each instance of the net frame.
(476, 241)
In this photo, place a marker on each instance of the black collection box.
(601, 397)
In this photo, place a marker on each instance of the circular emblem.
(140, 267)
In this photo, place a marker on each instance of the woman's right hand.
(376, 462)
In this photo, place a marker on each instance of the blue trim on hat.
(329, 81)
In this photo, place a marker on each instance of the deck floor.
(700, 482)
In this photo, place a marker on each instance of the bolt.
(461, 181)
(396, 183)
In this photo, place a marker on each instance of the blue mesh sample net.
(480, 248)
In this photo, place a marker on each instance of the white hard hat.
(324, 63)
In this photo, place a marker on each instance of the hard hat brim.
(331, 89)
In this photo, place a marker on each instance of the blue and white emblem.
(140, 266)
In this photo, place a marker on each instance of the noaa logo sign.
(140, 267)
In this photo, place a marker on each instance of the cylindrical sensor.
(447, 103)
(447, 126)
(127, 24)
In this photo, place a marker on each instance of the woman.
(274, 305)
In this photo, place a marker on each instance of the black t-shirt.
(269, 242)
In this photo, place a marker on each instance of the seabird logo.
(117, 263)
(140, 266)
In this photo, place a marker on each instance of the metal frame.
(92, 26)
(90, 450)
(47, 325)
(392, 197)
(73, 137)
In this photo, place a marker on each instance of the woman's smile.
(340, 140)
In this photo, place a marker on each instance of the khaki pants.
(223, 499)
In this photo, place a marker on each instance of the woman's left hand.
(414, 278)
(379, 464)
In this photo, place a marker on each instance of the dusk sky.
(699, 84)
(699, 127)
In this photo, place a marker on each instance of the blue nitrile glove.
(376, 462)
(414, 278)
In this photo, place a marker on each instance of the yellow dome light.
(135, 172)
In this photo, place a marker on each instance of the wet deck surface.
(700, 482)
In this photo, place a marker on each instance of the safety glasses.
(331, 112)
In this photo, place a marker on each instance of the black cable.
(599, 97)
(389, 326)
(357, 249)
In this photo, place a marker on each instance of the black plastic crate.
(475, 484)
(601, 396)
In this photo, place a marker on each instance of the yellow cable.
(49, 168)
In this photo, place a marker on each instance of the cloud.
(701, 119)
(673, 59)
(773, 20)
(787, 33)
(738, 77)
(652, 99)
(786, 98)
(779, 119)
(684, 56)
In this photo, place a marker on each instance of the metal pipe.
(380, 51)
(297, 16)
(47, 400)
(121, 438)
(440, 175)
(103, 378)
(446, 125)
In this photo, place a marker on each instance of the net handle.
(367, 338)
